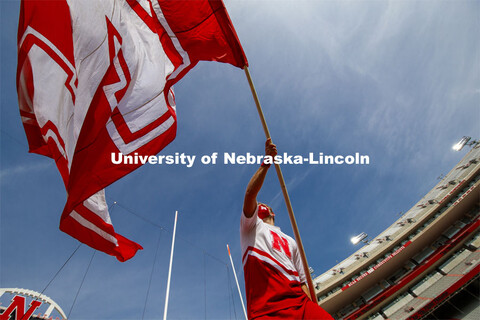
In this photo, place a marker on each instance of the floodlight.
(460, 144)
(361, 237)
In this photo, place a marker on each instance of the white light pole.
(170, 268)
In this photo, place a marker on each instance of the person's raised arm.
(256, 182)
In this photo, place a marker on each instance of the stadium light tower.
(361, 237)
(465, 141)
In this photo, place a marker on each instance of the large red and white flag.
(95, 77)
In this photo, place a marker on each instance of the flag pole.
(170, 268)
(284, 190)
(236, 280)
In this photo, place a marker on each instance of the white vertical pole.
(170, 268)
(236, 280)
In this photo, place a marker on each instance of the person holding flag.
(274, 275)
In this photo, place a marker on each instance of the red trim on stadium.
(445, 294)
(375, 267)
(434, 257)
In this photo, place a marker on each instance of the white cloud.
(9, 173)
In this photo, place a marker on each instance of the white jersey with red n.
(272, 268)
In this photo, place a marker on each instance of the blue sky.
(398, 81)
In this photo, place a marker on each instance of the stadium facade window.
(410, 265)
(385, 284)
(423, 280)
(346, 310)
(395, 301)
(474, 238)
(375, 316)
(422, 255)
(450, 232)
(398, 275)
(372, 292)
(466, 219)
(440, 241)
(459, 224)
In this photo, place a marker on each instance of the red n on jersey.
(280, 243)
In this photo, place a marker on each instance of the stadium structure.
(24, 304)
(424, 266)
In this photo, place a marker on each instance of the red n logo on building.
(280, 244)
(18, 303)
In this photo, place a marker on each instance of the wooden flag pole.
(284, 191)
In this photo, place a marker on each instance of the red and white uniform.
(273, 273)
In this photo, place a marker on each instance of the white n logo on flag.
(128, 128)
